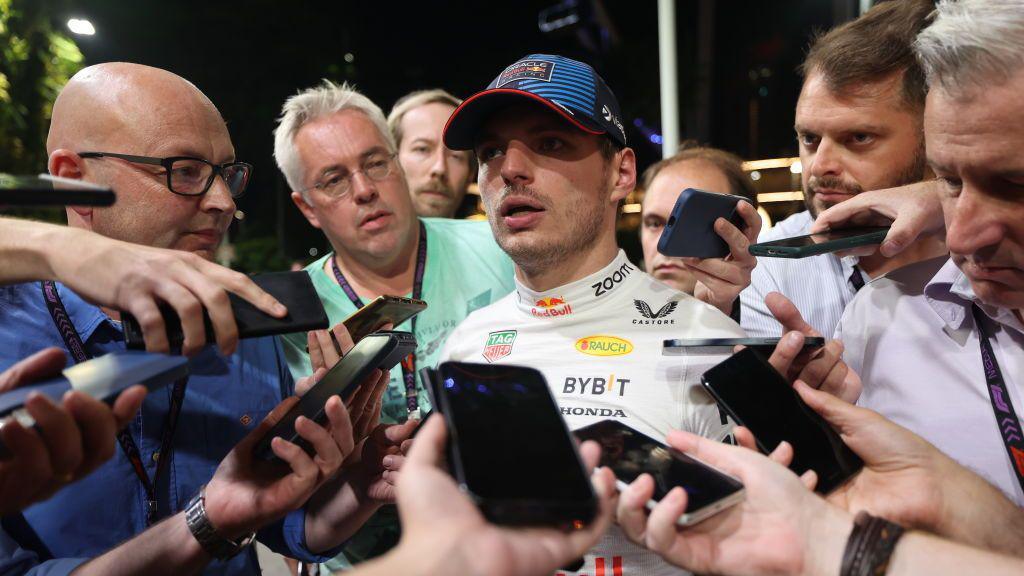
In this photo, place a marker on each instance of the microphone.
(239, 215)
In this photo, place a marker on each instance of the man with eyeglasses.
(183, 490)
(339, 158)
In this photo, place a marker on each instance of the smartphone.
(750, 390)
(509, 448)
(690, 229)
(677, 347)
(293, 289)
(629, 453)
(379, 350)
(47, 190)
(103, 378)
(821, 243)
(382, 310)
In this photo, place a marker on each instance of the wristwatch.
(206, 534)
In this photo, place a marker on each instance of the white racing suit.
(598, 342)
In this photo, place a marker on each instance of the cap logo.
(527, 70)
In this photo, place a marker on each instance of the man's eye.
(332, 180)
(862, 138)
(654, 224)
(487, 153)
(551, 144)
(951, 185)
(809, 140)
(421, 149)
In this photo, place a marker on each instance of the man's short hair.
(309, 105)
(727, 163)
(872, 48)
(414, 100)
(972, 44)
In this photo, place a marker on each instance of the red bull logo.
(551, 306)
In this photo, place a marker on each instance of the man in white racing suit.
(553, 167)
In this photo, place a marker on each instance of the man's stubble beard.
(914, 172)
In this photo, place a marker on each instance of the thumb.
(722, 456)
(43, 364)
(787, 314)
(839, 413)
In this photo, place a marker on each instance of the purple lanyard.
(1006, 418)
(412, 403)
(74, 344)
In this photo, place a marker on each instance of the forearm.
(977, 513)
(918, 553)
(336, 512)
(25, 248)
(430, 558)
(167, 548)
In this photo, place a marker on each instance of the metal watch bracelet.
(206, 534)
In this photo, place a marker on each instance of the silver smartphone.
(630, 453)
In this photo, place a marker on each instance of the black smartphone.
(379, 350)
(821, 243)
(630, 453)
(46, 190)
(293, 289)
(690, 229)
(750, 390)
(678, 346)
(509, 448)
(382, 310)
(103, 378)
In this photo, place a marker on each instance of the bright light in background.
(350, 57)
(796, 168)
(81, 26)
(755, 175)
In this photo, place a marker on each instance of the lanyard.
(412, 403)
(1006, 418)
(74, 344)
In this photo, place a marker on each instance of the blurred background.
(737, 80)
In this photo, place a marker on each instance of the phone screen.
(630, 453)
(829, 236)
(510, 440)
(758, 397)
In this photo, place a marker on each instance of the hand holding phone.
(382, 310)
(690, 229)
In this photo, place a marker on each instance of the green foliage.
(36, 60)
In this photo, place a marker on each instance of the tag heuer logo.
(650, 317)
(499, 345)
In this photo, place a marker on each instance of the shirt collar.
(581, 295)
(950, 295)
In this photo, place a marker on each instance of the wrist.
(214, 542)
(826, 539)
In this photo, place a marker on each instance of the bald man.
(183, 489)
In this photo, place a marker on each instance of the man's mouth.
(374, 219)
(520, 212)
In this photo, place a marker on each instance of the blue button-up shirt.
(225, 399)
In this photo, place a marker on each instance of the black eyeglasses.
(190, 176)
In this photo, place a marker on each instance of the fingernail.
(389, 461)
(792, 339)
(279, 308)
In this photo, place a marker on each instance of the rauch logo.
(604, 346)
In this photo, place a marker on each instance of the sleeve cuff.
(288, 537)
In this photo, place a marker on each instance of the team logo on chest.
(499, 345)
(604, 346)
(652, 318)
(550, 307)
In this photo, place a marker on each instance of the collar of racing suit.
(581, 295)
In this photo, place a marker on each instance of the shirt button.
(156, 456)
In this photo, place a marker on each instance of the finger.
(29, 460)
(365, 393)
(127, 405)
(786, 351)
(840, 414)
(722, 456)
(305, 470)
(330, 353)
(97, 428)
(342, 337)
(661, 524)
(809, 479)
(327, 454)
(246, 444)
(216, 304)
(428, 449)
(58, 431)
(835, 381)
(316, 357)
(738, 241)
(242, 285)
(151, 322)
(752, 222)
(783, 453)
(745, 438)
(590, 453)
(340, 425)
(902, 233)
(43, 364)
(817, 370)
(190, 312)
(398, 434)
(631, 511)
(393, 462)
(729, 271)
(787, 314)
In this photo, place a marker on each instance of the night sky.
(249, 56)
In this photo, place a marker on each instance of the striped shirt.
(819, 286)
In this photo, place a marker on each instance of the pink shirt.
(911, 337)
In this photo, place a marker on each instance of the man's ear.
(306, 209)
(623, 174)
(67, 164)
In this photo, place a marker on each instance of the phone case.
(774, 250)
(690, 229)
(384, 309)
(293, 289)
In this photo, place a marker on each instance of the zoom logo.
(612, 280)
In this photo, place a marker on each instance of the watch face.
(206, 534)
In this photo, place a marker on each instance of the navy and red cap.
(570, 88)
